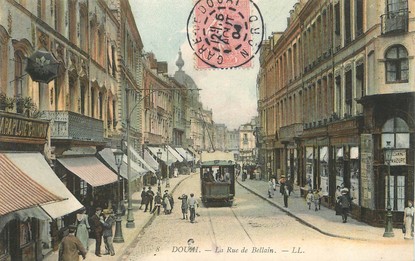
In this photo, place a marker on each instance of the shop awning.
(150, 160)
(137, 157)
(107, 155)
(194, 152)
(167, 158)
(24, 214)
(90, 169)
(20, 191)
(175, 154)
(185, 154)
(354, 153)
(35, 166)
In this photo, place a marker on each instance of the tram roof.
(218, 163)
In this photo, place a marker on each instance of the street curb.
(134, 242)
(302, 221)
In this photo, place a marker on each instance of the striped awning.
(175, 154)
(150, 160)
(165, 156)
(107, 155)
(138, 158)
(36, 167)
(19, 191)
(185, 154)
(90, 169)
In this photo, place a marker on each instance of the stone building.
(334, 88)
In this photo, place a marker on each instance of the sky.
(230, 94)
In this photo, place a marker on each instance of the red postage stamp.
(225, 33)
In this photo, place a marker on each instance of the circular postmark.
(225, 33)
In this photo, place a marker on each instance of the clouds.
(231, 94)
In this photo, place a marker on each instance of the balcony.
(71, 126)
(395, 22)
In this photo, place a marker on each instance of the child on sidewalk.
(309, 198)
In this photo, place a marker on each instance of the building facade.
(334, 88)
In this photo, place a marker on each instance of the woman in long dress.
(82, 228)
(408, 219)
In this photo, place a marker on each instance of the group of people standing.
(148, 197)
(314, 198)
(285, 189)
(76, 242)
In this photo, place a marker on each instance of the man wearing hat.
(185, 206)
(345, 202)
(157, 204)
(98, 230)
(150, 196)
(107, 223)
(71, 246)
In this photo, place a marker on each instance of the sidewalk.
(141, 219)
(325, 220)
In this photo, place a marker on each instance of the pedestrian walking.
(98, 230)
(286, 195)
(185, 206)
(192, 202)
(149, 199)
(166, 203)
(143, 198)
(71, 247)
(309, 198)
(157, 204)
(82, 227)
(345, 203)
(107, 222)
(316, 199)
(408, 221)
(270, 188)
(282, 184)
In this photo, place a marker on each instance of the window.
(359, 17)
(397, 192)
(349, 92)
(397, 65)
(397, 132)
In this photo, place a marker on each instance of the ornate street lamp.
(388, 226)
(159, 153)
(118, 238)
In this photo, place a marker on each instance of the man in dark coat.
(143, 197)
(98, 230)
(71, 247)
(345, 202)
(149, 198)
(157, 204)
(107, 223)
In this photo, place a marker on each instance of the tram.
(218, 181)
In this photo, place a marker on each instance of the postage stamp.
(225, 34)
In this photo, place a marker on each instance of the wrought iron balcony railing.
(395, 22)
(67, 125)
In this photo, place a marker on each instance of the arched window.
(397, 64)
(396, 131)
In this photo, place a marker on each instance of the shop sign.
(22, 127)
(398, 157)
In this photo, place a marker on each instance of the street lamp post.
(118, 237)
(159, 153)
(388, 225)
(168, 165)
